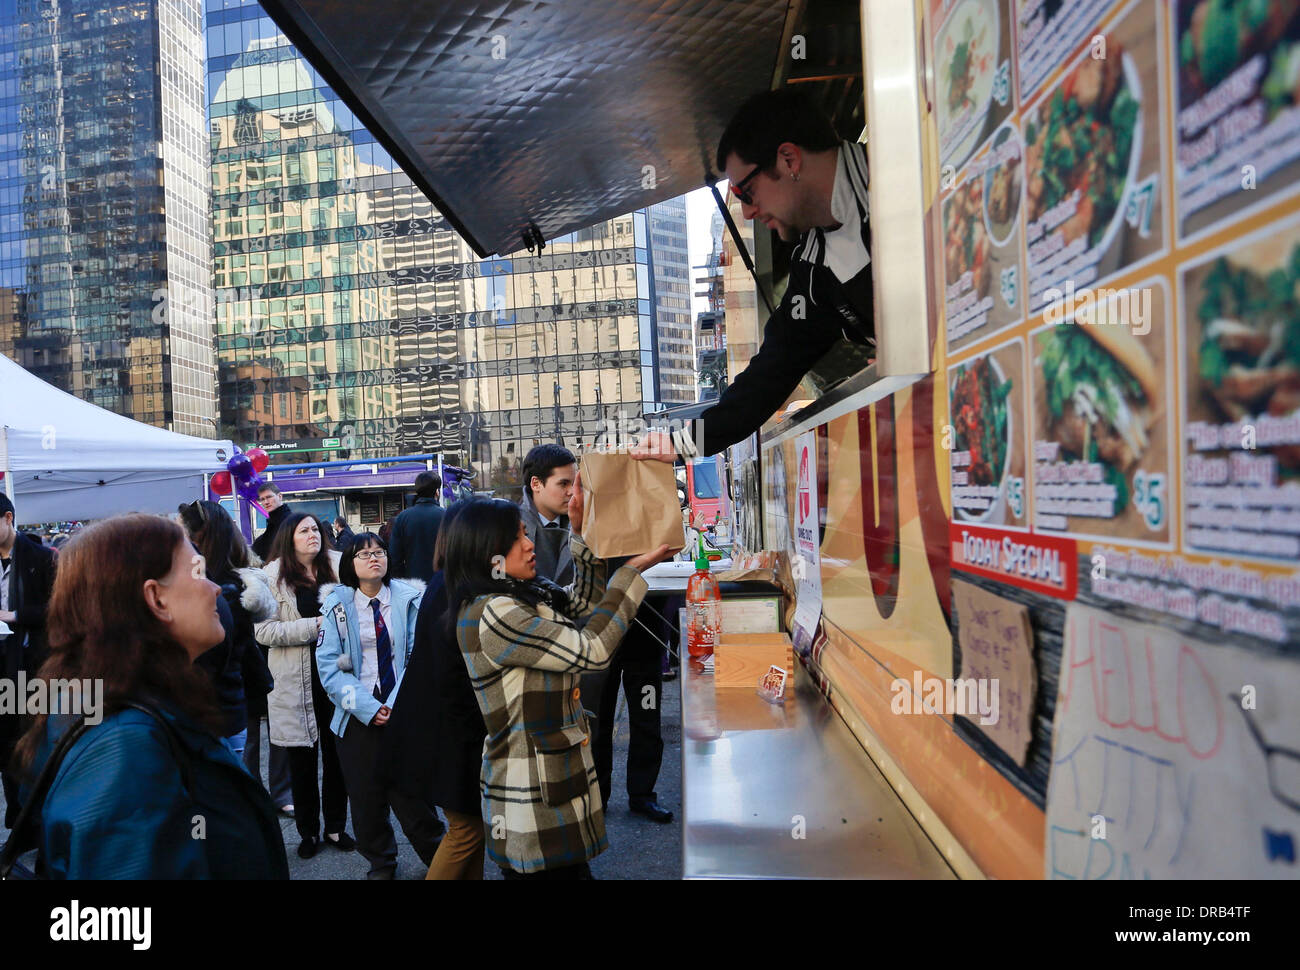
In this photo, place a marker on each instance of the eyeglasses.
(739, 189)
(372, 554)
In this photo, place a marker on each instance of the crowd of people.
(439, 670)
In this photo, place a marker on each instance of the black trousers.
(638, 666)
(359, 755)
(307, 796)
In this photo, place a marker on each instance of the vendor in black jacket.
(793, 174)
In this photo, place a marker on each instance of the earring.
(795, 176)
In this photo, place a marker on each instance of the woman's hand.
(645, 561)
(381, 717)
(576, 506)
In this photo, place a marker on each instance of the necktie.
(383, 647)
(552, 525)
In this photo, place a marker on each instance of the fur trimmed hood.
(257, 597)
(328, 588)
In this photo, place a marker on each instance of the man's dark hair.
(541, 460)
(341, 521)
(7, 506)
(427, 484)
(269, 487)
(767, 120)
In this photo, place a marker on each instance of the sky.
(699, 210)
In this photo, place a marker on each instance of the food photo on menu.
(1242, 465)
(1101, 419)
(1238, 106)
(986, 400)
(1093, 160)
(973, 51)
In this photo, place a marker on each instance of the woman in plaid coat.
(525, 644)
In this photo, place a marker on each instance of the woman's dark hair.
(769, 119)
(292, 573)
(213, 532)
(470, 542)
(348, 569)
(100, 627)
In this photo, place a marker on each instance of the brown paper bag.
(630, 506)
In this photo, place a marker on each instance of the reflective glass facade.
(351, 316)
(672, 272)
(104, 247)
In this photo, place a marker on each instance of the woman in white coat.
(299, 708)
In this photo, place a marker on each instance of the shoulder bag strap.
(22, 840)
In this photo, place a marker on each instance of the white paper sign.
(1172, 758)
(806, 567)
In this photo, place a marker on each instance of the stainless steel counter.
(787, 792)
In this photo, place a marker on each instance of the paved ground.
(639, 848)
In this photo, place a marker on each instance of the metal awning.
(553, 113)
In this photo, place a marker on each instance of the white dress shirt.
(369, 676)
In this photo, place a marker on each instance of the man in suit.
(550, 476)
(26, 580)
(415, 530)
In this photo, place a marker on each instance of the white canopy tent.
(66, 459)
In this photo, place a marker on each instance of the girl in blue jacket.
(367, 631)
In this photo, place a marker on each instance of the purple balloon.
(248, 490)
(240, 467)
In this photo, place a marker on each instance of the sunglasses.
(740, 189)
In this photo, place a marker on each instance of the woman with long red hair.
(131, 610)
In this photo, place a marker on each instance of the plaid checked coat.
(541, 801)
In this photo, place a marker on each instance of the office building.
(105, 258)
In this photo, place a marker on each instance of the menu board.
(1119, 250)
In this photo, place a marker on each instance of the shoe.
(381, 874)
(670, 674)
(287, 810)
(651, 809)
(341, 841)
(308, 848)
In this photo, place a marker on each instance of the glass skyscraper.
(105, 258)
(352, 321)
(672, 273)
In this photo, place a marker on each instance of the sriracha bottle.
(703, 610)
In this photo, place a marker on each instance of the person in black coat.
(26, 579)
(237, 667)
(415, 531)
(434, 740)
(343, 536)
(277, 510)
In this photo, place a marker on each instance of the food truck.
(1041, 558)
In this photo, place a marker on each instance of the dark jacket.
(237, 667)
(343, 541)
(817, 312)
(433, 742)
(410, 545)
(31, 579)
(551, 546)
(262, 544)
(119, 807)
